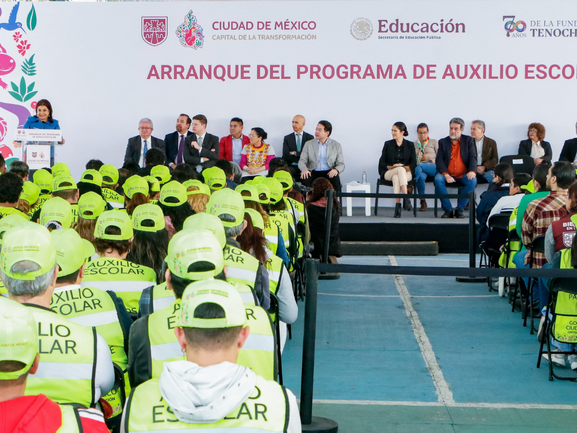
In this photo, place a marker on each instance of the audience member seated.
(535, 146)
(94, 164)
(487, 155)
(537, 188)
(456, 164)
(153, 158)
(322, 157)
(540, 214)
(516, 192)
(499, 188)
(316, 209)
(201, 150)
(10, 189)
(226, 167)
(293, 143)
(139, 145)
(569, 151)
(397, 164)
(183, 172)
(426, 150)
(21, 169)
(275, 164)
(231, 146)
(256, 155)
(174, 205)
(175, 141)
(560, 234)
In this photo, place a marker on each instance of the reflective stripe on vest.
(90, 306)
(67, 360)
(259, 350)
(284, 222)
(163, 344)
(271, 232)
(565, 318)
(240, 266)
(70, 420)
(246, 293)
(161, 296)
(274, 266)
(266, 410)
(125, 278)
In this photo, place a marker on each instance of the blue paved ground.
(366, 350)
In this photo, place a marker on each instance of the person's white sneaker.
(541, 329)
(557, 358)
(573, 362)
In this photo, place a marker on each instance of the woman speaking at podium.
(43, 120)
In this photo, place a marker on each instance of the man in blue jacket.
(456, 164)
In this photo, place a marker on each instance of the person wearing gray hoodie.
(209, 387)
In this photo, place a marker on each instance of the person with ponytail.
(135, 192)
(90, 207)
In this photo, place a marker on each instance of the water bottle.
(364, 178)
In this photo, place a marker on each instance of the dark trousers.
(335, 181)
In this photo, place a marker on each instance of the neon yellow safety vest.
(266, 410)
(5, 211)
(125, 278)
(286, 224)
(3, 289)
(240, 266)
(565, 318)
(161, 297)
(112, 197)
(271, 234)
(90, 306)
(70, 420)
(513, 247)
(297, 210)
(67, 360)
(259, 350)
(274, 266)
(74, 208)
(164, 346)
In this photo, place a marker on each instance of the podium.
(38, 146)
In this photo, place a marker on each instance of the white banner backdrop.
(360, 65)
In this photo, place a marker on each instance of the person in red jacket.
(231, 145)
(19, 358)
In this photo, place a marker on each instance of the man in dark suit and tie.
(139, 145)
(174, 141)
(201, 148)
(456, 164)
(293, 143)
(569, 151)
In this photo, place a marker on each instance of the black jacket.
(525, 149)
(388, 156)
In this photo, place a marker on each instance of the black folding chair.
(537, 246)
(520, 163)
(557, 287)
(510, 248)
(412, 183)
(274, 306)
(491, 247)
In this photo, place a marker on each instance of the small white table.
(356, 186)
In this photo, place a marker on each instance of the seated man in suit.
(293, 143)
(487, 155)
(569, 151)
(322, 157)
(139, 145)
(231, 145)
(174, 141)
(456, 163)
(201, 148)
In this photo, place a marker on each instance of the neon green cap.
(173, 194)
(192, 182)
(258, 179)
(71, 250)
(153, 183)
(226, 202)
(30, 242)
(148, 218)
(91, 205)
(63, 182)
(214, 178)
(188, 247)
(529, 186)
(60, 169)
(57, 209)
(285, 178)
(263, 193)
(202, 189)
(10, 221)
(161, 172)
(204, 221)
(109, 174)
(256, 218)
(135, 184)
(213, 292)
(30, 192)
(114, 218)
(252, 192)
(92, 176)
(275, 187)
(19, 337)
(43, 179)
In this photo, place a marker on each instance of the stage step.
(419, 248)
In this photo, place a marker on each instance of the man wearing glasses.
(142, 143)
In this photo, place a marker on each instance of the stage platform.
(451, 235)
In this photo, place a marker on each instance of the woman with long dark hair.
(150, 243)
